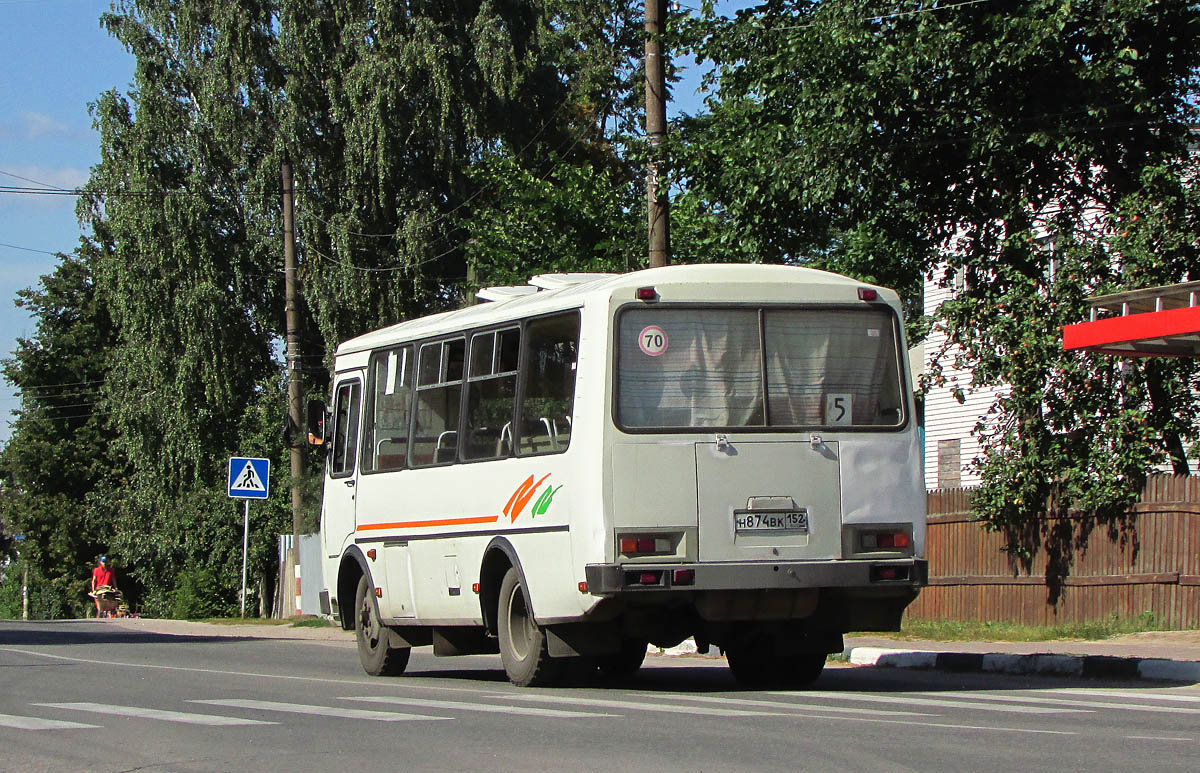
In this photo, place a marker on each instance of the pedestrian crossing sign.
(249, 478)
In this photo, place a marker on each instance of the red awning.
(1154, 322)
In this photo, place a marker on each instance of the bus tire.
(625, 662)
(755, 664)
(378, 657)
(522, 642)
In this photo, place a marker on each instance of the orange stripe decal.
(434, 522)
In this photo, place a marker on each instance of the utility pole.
(656, 130)
(295, 397)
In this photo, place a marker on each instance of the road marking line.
(608, 703)
(798, 714)
(788, 706)
(1094, 704)
(37, 723)
(321, 711)
(509, 709)
(1150, 696)
(223, 672)
(167, 716)
(1155, 738)
(916, 701)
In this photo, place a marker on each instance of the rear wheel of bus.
(375, 650)
(755, 663)
(522, 642)
(624, 662)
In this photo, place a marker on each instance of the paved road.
(82, 696)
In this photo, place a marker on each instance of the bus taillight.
(683, 577)
(645, 546)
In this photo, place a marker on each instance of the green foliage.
(420, 135)
(1005, 144)
(198, 593)
(60, 450)
(49, 599)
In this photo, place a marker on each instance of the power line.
(29, 249)
(31, 180)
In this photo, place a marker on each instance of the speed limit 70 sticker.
(652, 340)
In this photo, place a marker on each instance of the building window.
(949, 460)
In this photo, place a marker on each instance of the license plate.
(795, 521)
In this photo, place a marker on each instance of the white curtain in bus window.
(690, 368)
(831, 368)
(439, 389)
(385, 434)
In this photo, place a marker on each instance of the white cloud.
(60, 177)
(38, 125)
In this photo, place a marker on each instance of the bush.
(199, 594)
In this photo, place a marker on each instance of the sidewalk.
(1160, 655)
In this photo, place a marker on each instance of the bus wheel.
(522, 642)
(378, 657)
(755, 664)
(625, 662)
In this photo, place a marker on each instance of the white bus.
(593, 463)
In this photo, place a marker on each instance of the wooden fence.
(1158, 572)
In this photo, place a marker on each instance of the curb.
(1084, 666)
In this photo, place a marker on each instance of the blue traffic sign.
(249, 478)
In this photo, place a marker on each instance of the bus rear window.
(703, 368)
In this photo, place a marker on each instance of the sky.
(57, 61)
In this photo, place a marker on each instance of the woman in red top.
(102, 577)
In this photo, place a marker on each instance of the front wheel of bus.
(378, 657)
(522, 641)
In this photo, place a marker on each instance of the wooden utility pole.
(295, 397)
(656, 129)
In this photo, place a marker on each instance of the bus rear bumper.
(614, 579)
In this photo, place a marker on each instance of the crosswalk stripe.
(487, 707)
(803, 700)
(1150, 696)
(797, 711)
(321, 711)
(792, 706)
(1092, 704)
(608, 703)
(144, 713)
(37, 723)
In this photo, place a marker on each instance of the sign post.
(248, 479)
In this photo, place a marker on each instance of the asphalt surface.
(130, 695)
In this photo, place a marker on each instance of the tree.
(998, 141)
(412, 128)
(60, 449)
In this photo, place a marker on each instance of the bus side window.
(345, 430)
(389, 400)
(439, 392)
(548, 379)
(491, 391)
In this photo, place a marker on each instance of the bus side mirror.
(316, 423)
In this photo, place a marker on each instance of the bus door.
(769, 500)
(338, 506)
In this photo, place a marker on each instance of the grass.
(304, 621)
(974, 630)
